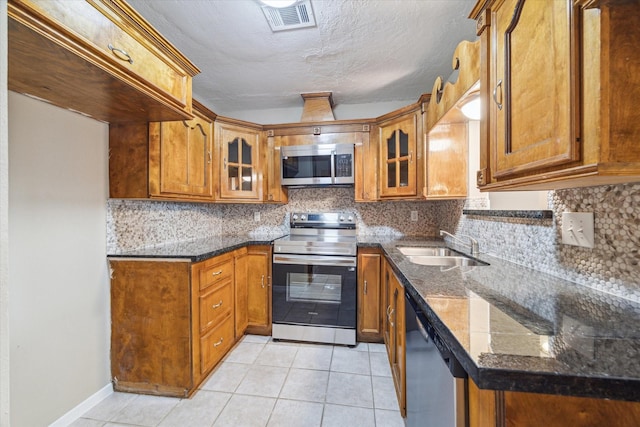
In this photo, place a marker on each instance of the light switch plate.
(414, 215)
(256, 216)
(577, 229)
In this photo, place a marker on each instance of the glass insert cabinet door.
(239, 169)
(398, 153)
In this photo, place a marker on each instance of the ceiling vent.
(300, 15)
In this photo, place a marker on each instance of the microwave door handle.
(333, 166)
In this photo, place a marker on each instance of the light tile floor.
(266, 383)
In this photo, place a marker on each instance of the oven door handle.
(315, 260)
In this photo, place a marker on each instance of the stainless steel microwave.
(317, 165)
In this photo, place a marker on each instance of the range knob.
(295, 217)
(350, 219)
(303, 217)
(341, 218)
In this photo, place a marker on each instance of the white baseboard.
(83, 407)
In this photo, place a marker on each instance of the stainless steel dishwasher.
(436, 382)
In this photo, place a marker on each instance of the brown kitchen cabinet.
(394, 332)
(100, 57)
(181, 157)
(172, 321)
(259, 289)
(241, 266)
(240, 161)
(446, 128)
(400, 154)
(490, 408)
(369, 295)
(559, 81)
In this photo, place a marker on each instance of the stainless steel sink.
(437, 256)
(444, 261)
(426, 251)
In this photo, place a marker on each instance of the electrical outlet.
(577, 229)
(414, 215)
(256, 216)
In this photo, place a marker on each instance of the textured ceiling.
(363, 51)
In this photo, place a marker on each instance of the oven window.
(303, 287)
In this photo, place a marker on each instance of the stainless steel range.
(314, 279)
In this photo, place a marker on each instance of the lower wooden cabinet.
(172, 321)
(490, 408)
(259, 289)
(369, 327)
(394, 333)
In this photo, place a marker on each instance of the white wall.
(59, 284)
(4, 224)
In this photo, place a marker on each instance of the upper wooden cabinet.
(446, 126)
(401, 154)
(559, 81)
(98, 57)
(240, 160)
(180, 157)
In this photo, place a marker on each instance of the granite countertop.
(511, 327)
(200, 249)
(514, 328)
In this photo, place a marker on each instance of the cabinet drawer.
(216, 272)
(215, 304)
(215, 344)
(130, 56)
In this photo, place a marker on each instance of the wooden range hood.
(318, 107)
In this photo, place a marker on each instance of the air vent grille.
(299, 15)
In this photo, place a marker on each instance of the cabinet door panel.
(398, 163)
(535, 80)
(258, 281)
(369, 304)
(240, 176)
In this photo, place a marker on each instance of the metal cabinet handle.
(209, 153)
(216, 273)
(365, 287)
(410, 157)
(495, 95)
(390, 321)
(217, 305)
(225, 162)
(218, 343)
(262, 281)
(268, 280)
(121, 54)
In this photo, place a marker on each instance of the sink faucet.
(473, 242)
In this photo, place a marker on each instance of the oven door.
(314, 290)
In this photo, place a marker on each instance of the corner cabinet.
(369, 295)
(181, 157)
(401, 154)
(394, 332)
(172, 321)
(559, 82)
(240, 160)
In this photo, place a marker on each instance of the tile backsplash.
(134, 224)
(613, 266)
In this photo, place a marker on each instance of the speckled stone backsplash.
(133, 224)
(612, 266)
